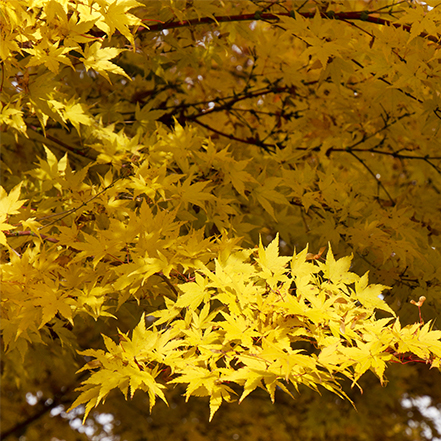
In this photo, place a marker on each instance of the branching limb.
(380, 184)
(73, 210)
(29, 233)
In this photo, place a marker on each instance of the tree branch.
(354, 15)
(58, 399)
(380, 184)
(29, 233)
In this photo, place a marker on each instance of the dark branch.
(354, 15)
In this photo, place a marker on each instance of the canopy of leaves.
(220, 199)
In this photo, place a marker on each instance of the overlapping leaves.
(265, 321)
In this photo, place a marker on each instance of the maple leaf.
(194, 193)
(301, 269)
(92, 246)
(13, 118)
(115, 16)
(273, 265)
(52, 302)
(369, 295)
(117, 375)
(75, 113)
(219, 393)
(337, 270)
(49, 55)
(41, 97)
(267, 194)
(239, 329)
(9, 204)
(431, 338)
(147, 266)
(194, 293)
(97, 58)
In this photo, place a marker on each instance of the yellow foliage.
(164, 161)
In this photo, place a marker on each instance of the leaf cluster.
(148, 146)
(272, 322)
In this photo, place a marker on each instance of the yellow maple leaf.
(97, 58)
(49, 54)
(13, 118)
(9, 204)
(194, 293)
(75, 113)
(337, 271)
(369, 295)
(273, 265)
(194, 193)
(115, 16)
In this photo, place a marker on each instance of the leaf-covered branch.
(152, 151)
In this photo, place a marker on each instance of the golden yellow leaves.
(9, 204)
(242, 323)
(273, 266)
(115, 16)
(12, 117)
(49, 55)
(51, 35)
(183, 189)
(370, 295)
(98, 58)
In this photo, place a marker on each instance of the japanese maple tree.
(236, 201)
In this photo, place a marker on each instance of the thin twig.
(73, 210)
(30, 233)
(373, 174)
(58, 142)
(169, 284)
(352, 15)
